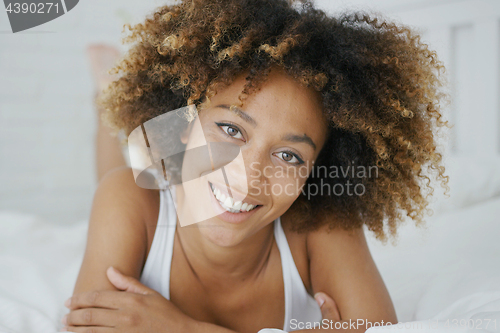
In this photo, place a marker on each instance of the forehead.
(277, 83)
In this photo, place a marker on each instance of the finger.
(87, 329)
(91, 317)
(110, 299)
(329, 309)
(127, 283)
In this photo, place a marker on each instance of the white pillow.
(473, 179)
(430, 268)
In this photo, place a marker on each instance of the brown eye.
(289, 158)
(286, 157)
(231, 131)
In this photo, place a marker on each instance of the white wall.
(47, 121)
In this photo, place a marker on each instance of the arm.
(117, 233)
(342, 267)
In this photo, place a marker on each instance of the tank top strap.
(285, 255)
(156, 271)
(299, 305)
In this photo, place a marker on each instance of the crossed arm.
(107, 300)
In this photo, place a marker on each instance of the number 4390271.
(33, 8)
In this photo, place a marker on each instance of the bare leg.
(108, 153)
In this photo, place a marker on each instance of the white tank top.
(299, 305)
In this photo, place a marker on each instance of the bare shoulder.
(117, 234)
(120, 184)
(119, 195)
(137, 206)
(322, 244)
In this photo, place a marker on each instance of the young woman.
(293, 89)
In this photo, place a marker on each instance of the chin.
(220, 233)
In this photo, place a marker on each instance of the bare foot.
(108, 151)
(102, 58)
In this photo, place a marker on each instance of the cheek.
(285, 191)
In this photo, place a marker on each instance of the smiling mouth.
(229, 204)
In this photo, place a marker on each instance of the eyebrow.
(288, 137)
(240, 113)
(298, 138)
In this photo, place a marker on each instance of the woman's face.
(280, 131)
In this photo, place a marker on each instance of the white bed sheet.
(449, 270)
(39, 263)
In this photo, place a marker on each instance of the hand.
(135, 309)
(328, 307)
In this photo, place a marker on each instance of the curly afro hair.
(380, 89)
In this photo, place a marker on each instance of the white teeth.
(228, 208)
(229, 204)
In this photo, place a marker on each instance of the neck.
(212, 263)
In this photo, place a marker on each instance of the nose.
(256, 160)
(235, 175)
(246, 170)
